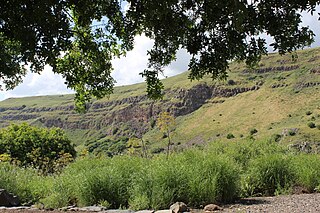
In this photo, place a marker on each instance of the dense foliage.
(221, 172)
(107, 146)
(40, 148)
(80, 38)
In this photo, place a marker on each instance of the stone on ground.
(7, 199)
(179, 207)
(211, 208)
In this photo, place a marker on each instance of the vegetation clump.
(291, 132)
(220, 172)
(44, 149)
(311, 125)
(230, 136)
(231, 82)
(275, 138)
(253, 131)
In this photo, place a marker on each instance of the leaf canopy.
(80, 38)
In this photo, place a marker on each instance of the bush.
(311, 125)
(231, 82)
(253, 131)
(230, 136)
(45, 149)
(291, 132)
(275, 138)
(269, 175)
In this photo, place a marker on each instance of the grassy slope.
(269, 110)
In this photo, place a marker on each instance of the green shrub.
(291, 132)
(269, 175)
(231, 82)
(311, 125)
(230, 136)
(275, 138)
(253, 131)
(45, 149)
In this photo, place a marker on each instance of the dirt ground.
(286, 203)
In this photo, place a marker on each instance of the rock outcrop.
(7, 199)
(121, 117)
(272, 69)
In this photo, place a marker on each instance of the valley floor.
(284, 203)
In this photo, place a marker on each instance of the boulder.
(92, 209)
(164, 211)
(118, 211)
(179, 207)
(145, 211)
(7, 199)
(211, 208)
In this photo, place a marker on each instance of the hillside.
(278, 98)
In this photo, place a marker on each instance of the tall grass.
(307, 169)
(194, 177)
(219, 173)
(23, 182)
(269, 175)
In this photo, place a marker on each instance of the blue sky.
(126, 69)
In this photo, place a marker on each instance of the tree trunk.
(168, 147)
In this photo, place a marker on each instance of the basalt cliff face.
(135, 114)
(272, 97)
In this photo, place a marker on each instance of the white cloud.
(314, 24)
(34, 84)
(127, 69)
